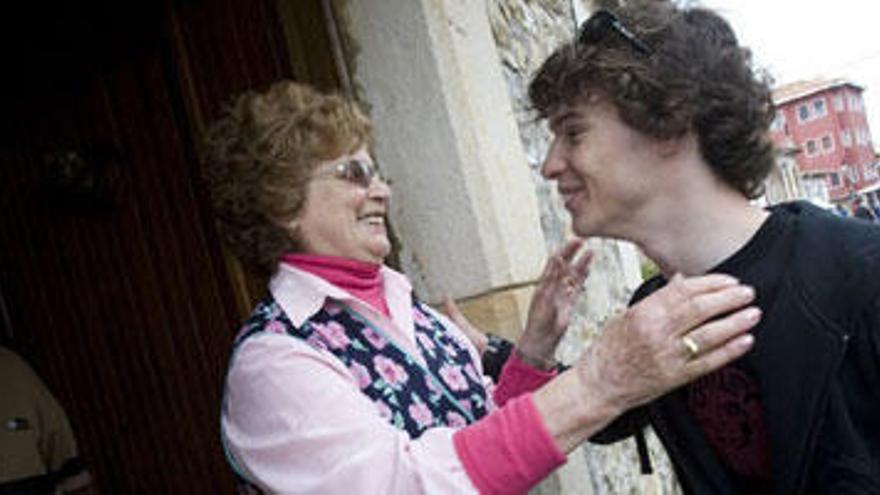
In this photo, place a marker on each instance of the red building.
(826, 120)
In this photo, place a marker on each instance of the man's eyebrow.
(558, 121)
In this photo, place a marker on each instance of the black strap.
(498, 349)
(644, 455)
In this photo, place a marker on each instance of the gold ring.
(691, 346)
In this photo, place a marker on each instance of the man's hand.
(550, 310)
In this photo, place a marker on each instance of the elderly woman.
(342, 381)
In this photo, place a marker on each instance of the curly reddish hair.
(257, 158)
(696, 78)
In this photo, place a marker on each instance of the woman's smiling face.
(341, 218)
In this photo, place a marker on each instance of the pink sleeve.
(293, 414)
(508, 451)
(518, 378)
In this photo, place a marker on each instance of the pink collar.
(361, 279)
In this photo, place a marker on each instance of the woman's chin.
(377, 252)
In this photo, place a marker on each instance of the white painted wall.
(464, 205)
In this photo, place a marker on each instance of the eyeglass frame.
(594, 29)
(342, 171)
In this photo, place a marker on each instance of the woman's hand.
(550, 310)
(689, 328)
(682, 331)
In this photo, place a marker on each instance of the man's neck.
(694, 232)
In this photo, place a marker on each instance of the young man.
(660, 138)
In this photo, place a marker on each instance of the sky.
(798, 40)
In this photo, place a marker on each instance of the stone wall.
(526, 32)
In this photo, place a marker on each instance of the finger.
(582, 266)
(701, 308)
(690, 286)
(553, 275)
(570, 249)
(452, 311)
(720, 356)
(680, 288)
(711, 335)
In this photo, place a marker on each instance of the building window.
(851, 173)
(854, 103)
(827, 143)
(835, 179)
(838, 103)
(819, 107)
(811, 147)
(778, 122)
(804, 113)
(846, 139)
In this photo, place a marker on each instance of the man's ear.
(674, 146)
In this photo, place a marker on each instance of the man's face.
(602, 168)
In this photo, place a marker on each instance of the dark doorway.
(116, 286)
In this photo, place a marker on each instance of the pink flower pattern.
(421, 414)
(361, 374)
(374, 338)
(315, 341)
(426, 342)
(390, 371)
(404, 395)
(421, 319)
(455, 420)
(275, 326)
(453, 377)
(332, 308)
(471, 372)
(333, 333)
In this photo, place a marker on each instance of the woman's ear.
(291, 226)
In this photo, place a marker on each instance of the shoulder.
(17, 373)
(833, 247)
(835, 261)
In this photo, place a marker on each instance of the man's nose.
(553, 163)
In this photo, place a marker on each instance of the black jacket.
(819, 371)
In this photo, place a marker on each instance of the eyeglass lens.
(357, 172)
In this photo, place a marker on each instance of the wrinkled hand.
(555, 295)
(641, 356)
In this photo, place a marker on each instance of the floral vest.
(446, 391)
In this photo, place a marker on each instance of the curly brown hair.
(257, 158)
(696, 78)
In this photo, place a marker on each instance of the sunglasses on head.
(358, 172)
(603, 22)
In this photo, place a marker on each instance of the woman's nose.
(380, 188)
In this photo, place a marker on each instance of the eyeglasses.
(358, 172)
(597, 27)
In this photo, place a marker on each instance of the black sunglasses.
(358, 172)
(597, 27)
